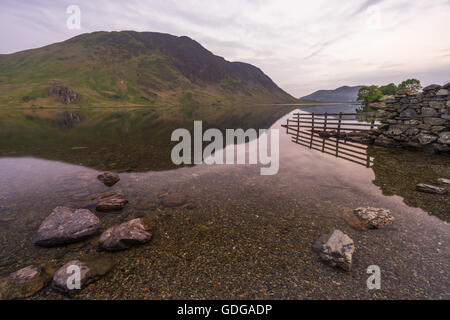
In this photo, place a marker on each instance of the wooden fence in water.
(343, 135)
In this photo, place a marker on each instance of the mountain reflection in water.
(138, 140)
(120, 140)
(236, 234)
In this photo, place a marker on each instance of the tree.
(389, 90)
(410, 84)
(369, 94)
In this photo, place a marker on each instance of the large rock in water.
(90, 271)
(25, 282)
(374, 218)
(336, 249)
(123, 236)
(109, 178)
(66, 225)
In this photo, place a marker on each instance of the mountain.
(342, 94)
(130, 68)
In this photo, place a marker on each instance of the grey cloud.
(365, 6)
(301, 52)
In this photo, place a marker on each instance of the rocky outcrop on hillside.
(65, 94)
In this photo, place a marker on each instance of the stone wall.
(418, 121)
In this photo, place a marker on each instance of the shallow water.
(242, 235)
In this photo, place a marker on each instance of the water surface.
(240, 234)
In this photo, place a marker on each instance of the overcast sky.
(302, 45)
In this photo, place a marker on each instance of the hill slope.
(341, 94)
(130, 68)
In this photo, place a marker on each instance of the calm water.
(241, 235)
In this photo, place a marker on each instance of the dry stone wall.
(417, 120)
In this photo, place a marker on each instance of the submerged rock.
(115, 194)
(90, 271)
(111, 205)
(125, 235)
(7, 219)
(95, 199)
(350, 218)
(172, 200)
(109, 178)
(25, 282)
(336, 249)
(374, 218)
(66, 225)
(384, 141)
(145, 206)
(427, 188)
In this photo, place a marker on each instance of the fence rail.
(337, 134)
(327, 121)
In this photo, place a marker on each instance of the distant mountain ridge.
(341, 94)
(131, 68)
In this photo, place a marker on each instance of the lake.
(236, 234)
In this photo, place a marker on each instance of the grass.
(120, 68)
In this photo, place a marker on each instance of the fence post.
(339, 123)
(338, 133)
(312, 130)
(324, 131)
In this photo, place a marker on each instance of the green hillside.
(130, 68)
